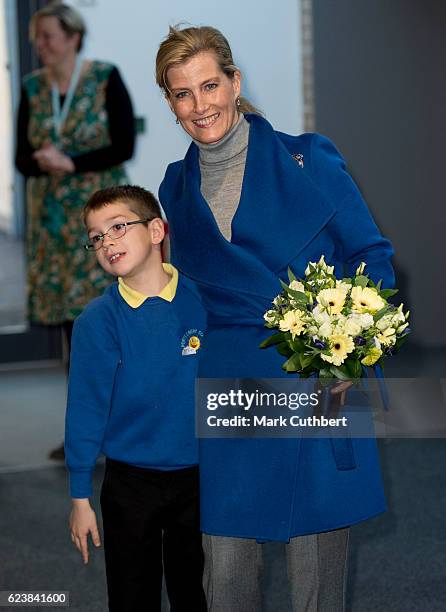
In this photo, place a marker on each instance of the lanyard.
(60, 114)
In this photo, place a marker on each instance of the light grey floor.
(32, 412)
(13, 283)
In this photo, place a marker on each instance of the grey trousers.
(317, 572)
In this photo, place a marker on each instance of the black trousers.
(151, 521)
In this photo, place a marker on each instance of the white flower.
(352, 326)
(387, 337)
(360, 269)
(343, 286)
(323, 266)
(320, 315)
(270, 316)
(326, 329)
(365, 320)
(296, 285)
(384, 322)
(402, 327)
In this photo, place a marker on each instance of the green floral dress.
(62, 276)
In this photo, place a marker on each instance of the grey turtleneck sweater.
(222, 166)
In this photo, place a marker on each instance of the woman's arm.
(122, 130)
(352, 226)
(24, 160)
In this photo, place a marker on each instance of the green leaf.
(325, 373)
(339, 372)
(284, 349)
(387, 293)
(291, 275)
(274, 339)
(377, 316)
(297, 345)
(299, 296)
(378, 285)
(353, 367)
(284, 285)
(292, 364)
(361, 281)
(305, 360)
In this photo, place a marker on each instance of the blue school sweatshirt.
(131, 383)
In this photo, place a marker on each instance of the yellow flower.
(293, 322)
(366, 299)
(332, 299)
(340, 346)
(372, 356)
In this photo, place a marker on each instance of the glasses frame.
(89, 246)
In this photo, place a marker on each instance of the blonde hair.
(182, 44)
(70, 21)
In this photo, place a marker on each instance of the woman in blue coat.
(245, 203)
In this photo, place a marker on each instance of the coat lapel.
(279, 213)
(280, 205)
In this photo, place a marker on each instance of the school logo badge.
(191, 341)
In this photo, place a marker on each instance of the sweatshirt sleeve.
(95, 359)
(353, 226)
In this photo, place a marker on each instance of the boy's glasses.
(114, 232)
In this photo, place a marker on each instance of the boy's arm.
(82, 522)
(95, 357)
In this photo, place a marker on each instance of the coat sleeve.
(352, 226)
(95, 358)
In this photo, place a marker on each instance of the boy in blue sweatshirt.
(131, 397)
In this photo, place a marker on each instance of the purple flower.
(319, 344)
(359, 341)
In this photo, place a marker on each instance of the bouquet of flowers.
(332, 328)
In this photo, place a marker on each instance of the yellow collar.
(135, 298)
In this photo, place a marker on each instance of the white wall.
(6, 129)
(265, 40)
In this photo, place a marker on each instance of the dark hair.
(140, 201)
(69, 19)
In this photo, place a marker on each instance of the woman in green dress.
(75, 130)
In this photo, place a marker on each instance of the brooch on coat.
(299, 158)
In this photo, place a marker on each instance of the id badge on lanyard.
(60, 113)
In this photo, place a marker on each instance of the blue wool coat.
(297, 203)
